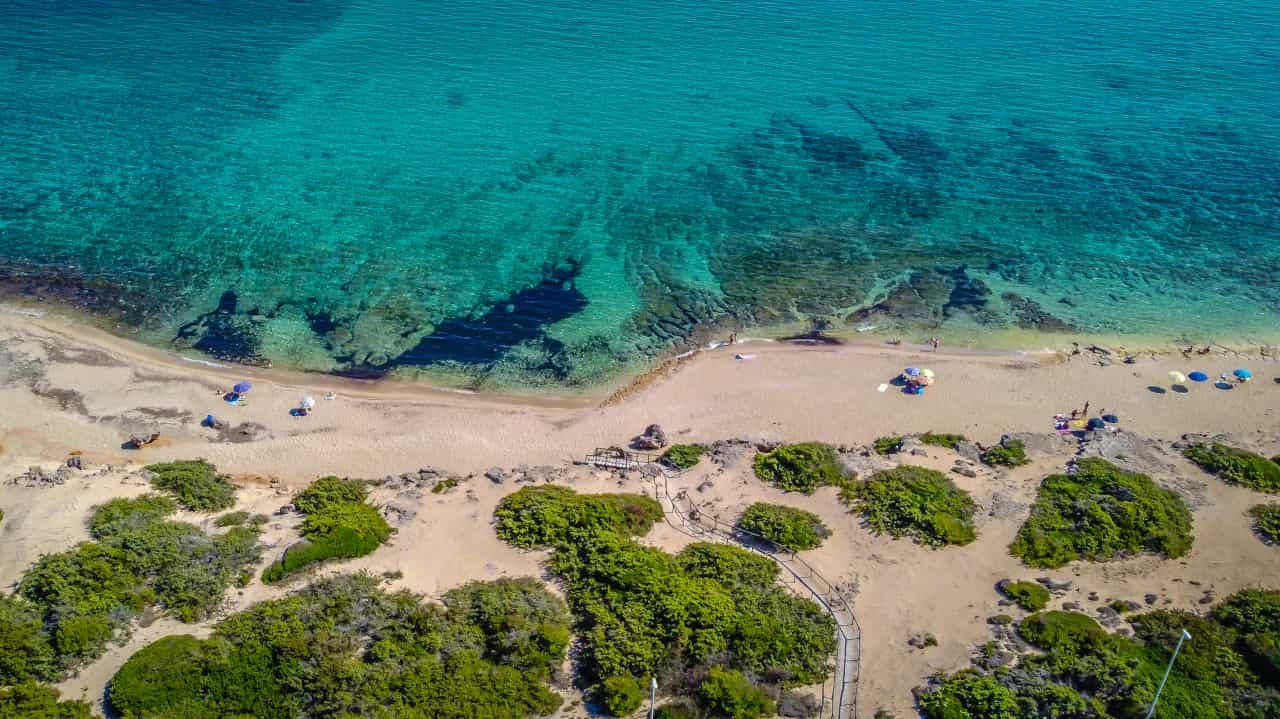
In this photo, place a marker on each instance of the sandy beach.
(66, 388)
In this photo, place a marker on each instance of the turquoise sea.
(530, 194)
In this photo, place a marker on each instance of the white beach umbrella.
(1177, 377)
(308, 402)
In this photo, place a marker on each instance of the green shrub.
(444, 485)
(950, 441)
(25, 651)
(1028, 595)
(1099, 513)
(548, 515)
(785, 526)
(196, 485)
(677, 710)
(730, 694)
(800, 467)
(29, 700)
(1006, 454)
(329, 490)
(886, 446)
(1266, 521)
(621, 695)
(969, 695)
(914, 502)
(344, 647)
(513, 622)
(118, 514)
(641, 612)
(1237, 466)
(334, 531)
(1079, 670)
(86, 596)
(683, 456)
(232, 519)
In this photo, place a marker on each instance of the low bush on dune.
(1078, 669)
(29, 700)
(801, 467)
(195, 484)
(344, 647)
(1028, 595)
(640, 612)
(69, 605)
(329, 490)
(1006, 454)
(730, 694)
(1101, 512)
(546, 516)
(1237, 466)
(785, 526)
(914, 502)
(335, 527)
(943, 439)
(885, 446)
(1266, 522)
(683, 456)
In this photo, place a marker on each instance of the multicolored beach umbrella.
(1177, 377)
(242, 387)
(1198, 377)
(926, 373)
(1243, 374)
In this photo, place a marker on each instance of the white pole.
(1185, 636)
(653, 695)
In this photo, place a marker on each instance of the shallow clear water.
(543, 193)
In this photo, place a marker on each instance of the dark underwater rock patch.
(1028, 314)
(224, 333)
(521, 317)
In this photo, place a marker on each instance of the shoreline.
(69, 321)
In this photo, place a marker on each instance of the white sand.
(64, 387)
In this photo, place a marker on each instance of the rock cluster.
(652, 438)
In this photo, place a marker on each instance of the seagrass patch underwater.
(535, 194)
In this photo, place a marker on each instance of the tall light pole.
(1185, 636)
(653, 695)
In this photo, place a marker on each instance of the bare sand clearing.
(66, 388)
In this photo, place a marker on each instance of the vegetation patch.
(1237, 466)
(1102, 512)
(1006, 454)
(801, 467)
(334, 528)
(69, 605)
(329, 490)
(943, 439)
(1081, 670)
(1028, 595)
(914, 502)
(1266, 522)
(683, 456)
(885, 446)
(30, 700)
(785, 526)
(640, 612)
(196, 485)
(344, 647)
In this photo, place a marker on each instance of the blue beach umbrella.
(242, 387)
(1243, 374)
(1198, 377)
(911, 371)
(1096, 423)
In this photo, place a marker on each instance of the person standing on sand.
(733, 338)
(934, 342)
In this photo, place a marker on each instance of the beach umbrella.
(1243, 374)
(308, 402)
(1110, 418)
(911, 372)
(1177, 377)
(1096, 423)
(1198, 377)
(242, 387)
(926, 373)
